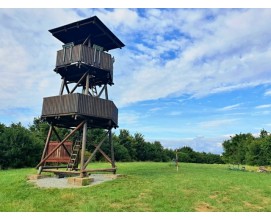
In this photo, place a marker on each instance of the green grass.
(145, 187)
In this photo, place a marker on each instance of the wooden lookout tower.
(84, 65)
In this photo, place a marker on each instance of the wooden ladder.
(74, 155)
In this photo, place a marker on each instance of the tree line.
(22, 147)
(247, 149)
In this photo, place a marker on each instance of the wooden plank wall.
(60, 155)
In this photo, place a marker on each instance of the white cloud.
(263, 106)
(217, 123)
(267, 93)
(210, 56)
(128, 118)
(230, 107)
(175, 113)
(27, 52)
(199, 144)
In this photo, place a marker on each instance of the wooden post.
(85, 128)
(83, 150)
(46, 146)
(112, 149)
(177, 165)
(106, 92)
(62, 87)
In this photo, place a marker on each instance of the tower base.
(78, 181)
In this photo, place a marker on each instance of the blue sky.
(185, 77)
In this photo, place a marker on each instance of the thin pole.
(177, 165)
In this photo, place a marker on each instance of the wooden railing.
(85, 54)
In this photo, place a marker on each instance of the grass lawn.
(146, 187)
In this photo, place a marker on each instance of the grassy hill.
(146, 187)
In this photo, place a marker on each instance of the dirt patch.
(55, 182)
(252, 206)
(204, 207)
(214, 195)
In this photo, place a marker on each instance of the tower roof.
(77, 32)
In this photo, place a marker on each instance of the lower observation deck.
(71, 109)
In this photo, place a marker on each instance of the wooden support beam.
(78, 172)
(69, 135)
(105, 156)
(101, 170)
(46, 146)
(80, 80)
(100, 93)
(112, 149)
(53, 167)
(62, 87)
(95, 151)
(67, 88)
(106, 92)
(61, 171)
(84, 143)
(63, 145)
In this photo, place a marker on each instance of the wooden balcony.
(73, 61)
(69, 110)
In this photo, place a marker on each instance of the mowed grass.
(146, 187)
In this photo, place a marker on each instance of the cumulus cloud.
(27, 54)
(195, 52)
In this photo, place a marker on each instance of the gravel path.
(55, 182)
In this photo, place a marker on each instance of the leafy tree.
(126, 140)
(235, 148)
(259, 151)
(121, 153)
(139, 145)
(19, 147)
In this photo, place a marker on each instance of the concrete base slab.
(78, 181)
(46, 181)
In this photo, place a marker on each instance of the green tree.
(19, 147)
(259, 151)
(126, 140)
(235, 149)
(139, 145)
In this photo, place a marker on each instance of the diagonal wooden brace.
(105, 156)
(63, 145)
(80, 80)
(95, 151)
